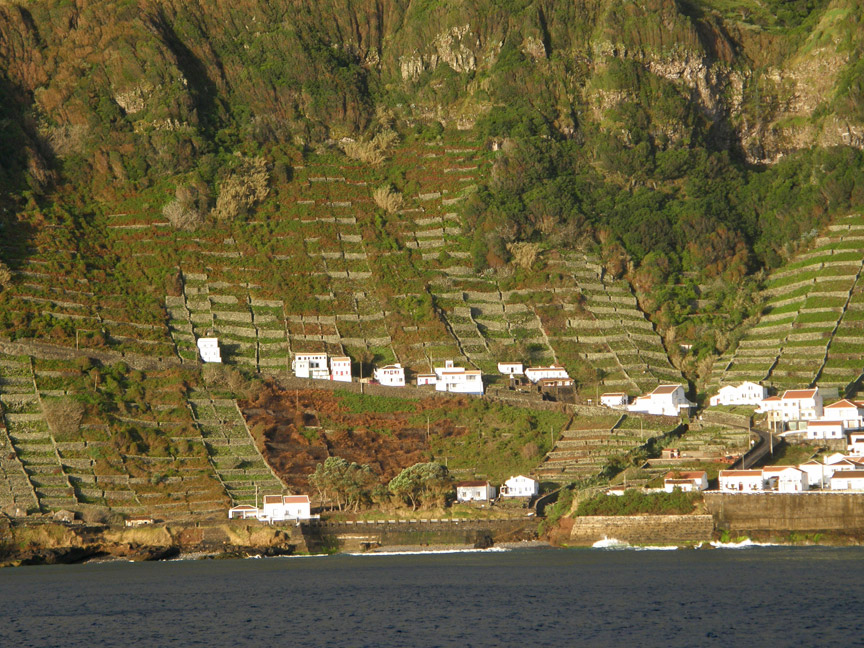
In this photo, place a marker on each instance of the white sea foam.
(614, 543)
(746, 543)
(430, 551)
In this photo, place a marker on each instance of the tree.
(421, 483)
(346, 484)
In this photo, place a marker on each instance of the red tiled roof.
(823, 423)
(771, 398)
(844, 403)
(798, 393)
(295, 499)
(685, 475)
(740, 473)
(856, 474)
(471, 484)
(665, 389)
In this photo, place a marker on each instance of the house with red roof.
(793, 405)
(474, 491)
(741, 481)
(687, 481)
(665, 400)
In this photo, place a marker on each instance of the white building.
(243, 512)
(520, 486)
(818, 474)
(474, 491)
(845, 410)
(785, 479)
(510, 368)
(208, 349)
(696, 480)
(824, 429)
(276, 508)
(741, 481)
(340, 368)
(665, 400)
(794, 405)
(426, 379)
(536, 374)
(457, 380)
(390, 376)
(855, 442)
(310, 365)
(614, 399)
(852, 480)
(747, 393)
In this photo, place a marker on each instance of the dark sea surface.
(766, 596)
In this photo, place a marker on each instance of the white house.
(208, 348)
(818, 474)
(823, 429)
(510, 368)
(855, 442)
(838, 462)
(243, 512)
(747, 393)
(696, 480)
(340, 368)
(785, 479)
(848, 480)
(457, 380)
(845, 410)
(741, 481)
(536, 374)
(614, 399)
(520, 486)
(285, 507)
(426, 379)
(474, 491)
(794, 405)
(310, 365)
(390, 375)
(665, 400)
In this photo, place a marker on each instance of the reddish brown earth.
(297, 430)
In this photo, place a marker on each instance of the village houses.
(315, 365)
(275, 508)
(553, 372)
(665, 400)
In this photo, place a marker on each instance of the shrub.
(63, 416)
(387, 199)
(5, 276)
(185, 212)
(242, 188)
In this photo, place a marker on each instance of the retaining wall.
(643, 530)
(783, 513)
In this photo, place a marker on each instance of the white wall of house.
(520, 486)
(340, 369)
(208, 348)
(310, 365)
(686, 481)
(741, 481)
(536, 374)
(665, 400)
(460, 382)
(818, 474)
(614, 399)
(848, 480)
(285, 507)
(390, 376)
(426, 379)
(510, 368)
(794, 405)
(475, 493)
(747, 393)
(825, 430)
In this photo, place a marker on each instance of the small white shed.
(208, 348)
(474, 491)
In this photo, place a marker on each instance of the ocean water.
(759, 596)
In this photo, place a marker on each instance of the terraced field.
(151, 453)
(589, 443)
(321, 267)
(811, 331)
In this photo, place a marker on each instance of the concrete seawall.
(784, 513)
(643, 530)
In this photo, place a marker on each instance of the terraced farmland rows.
(810, 331)
(584, 449)
(232, 451)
